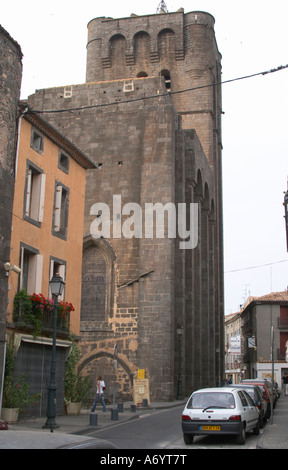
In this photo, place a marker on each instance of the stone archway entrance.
(102, 363)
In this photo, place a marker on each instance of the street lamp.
(56, 285)
(179, 331)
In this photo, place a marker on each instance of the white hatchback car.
(223, 410)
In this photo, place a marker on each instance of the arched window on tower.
(118, 50)
(97, 282)
(141, 44)
(166, 42)
(94, 279)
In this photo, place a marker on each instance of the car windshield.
(205, 400)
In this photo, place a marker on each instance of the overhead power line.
(256, 266)
(83, 108)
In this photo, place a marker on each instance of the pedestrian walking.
(99, 394)
(285, 383)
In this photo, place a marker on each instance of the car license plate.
(210, 428)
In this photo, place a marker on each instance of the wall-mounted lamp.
(12, 267)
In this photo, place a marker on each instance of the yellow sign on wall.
(141, 374)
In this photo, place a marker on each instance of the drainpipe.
(3, 373)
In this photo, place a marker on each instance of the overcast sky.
(252, 37)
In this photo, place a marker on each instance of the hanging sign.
(235, 345)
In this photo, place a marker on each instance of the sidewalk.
(80, 424)
(275, 435)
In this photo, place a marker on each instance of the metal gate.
(33, 361)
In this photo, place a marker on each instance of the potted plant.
(78, 395)
(15, 392)
(77, 388)
(64, 310)
(29, 310)
(15, 398)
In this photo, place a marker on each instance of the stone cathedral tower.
(150, 115)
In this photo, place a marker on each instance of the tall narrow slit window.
(166, 74)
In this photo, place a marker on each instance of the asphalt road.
(162, 430)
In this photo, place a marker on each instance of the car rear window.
(251, 392)
(203, 400)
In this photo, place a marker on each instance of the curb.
(92, 429)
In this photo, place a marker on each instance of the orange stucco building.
(46, 239)
(48, 213)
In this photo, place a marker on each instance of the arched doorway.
(102, 363)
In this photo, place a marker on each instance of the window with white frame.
(57, 267)
(60, 211)
(31, 264)
(34, 193)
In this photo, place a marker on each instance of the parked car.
(262, 384)
(274, 387)
(223, 410)
(278, 390)
(255, 393)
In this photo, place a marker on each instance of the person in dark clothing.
(285, 383)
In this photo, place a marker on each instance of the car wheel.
(188, 438)
(256, 430)
(241, 438)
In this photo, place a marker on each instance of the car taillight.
(235, 418)
(186, 418)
